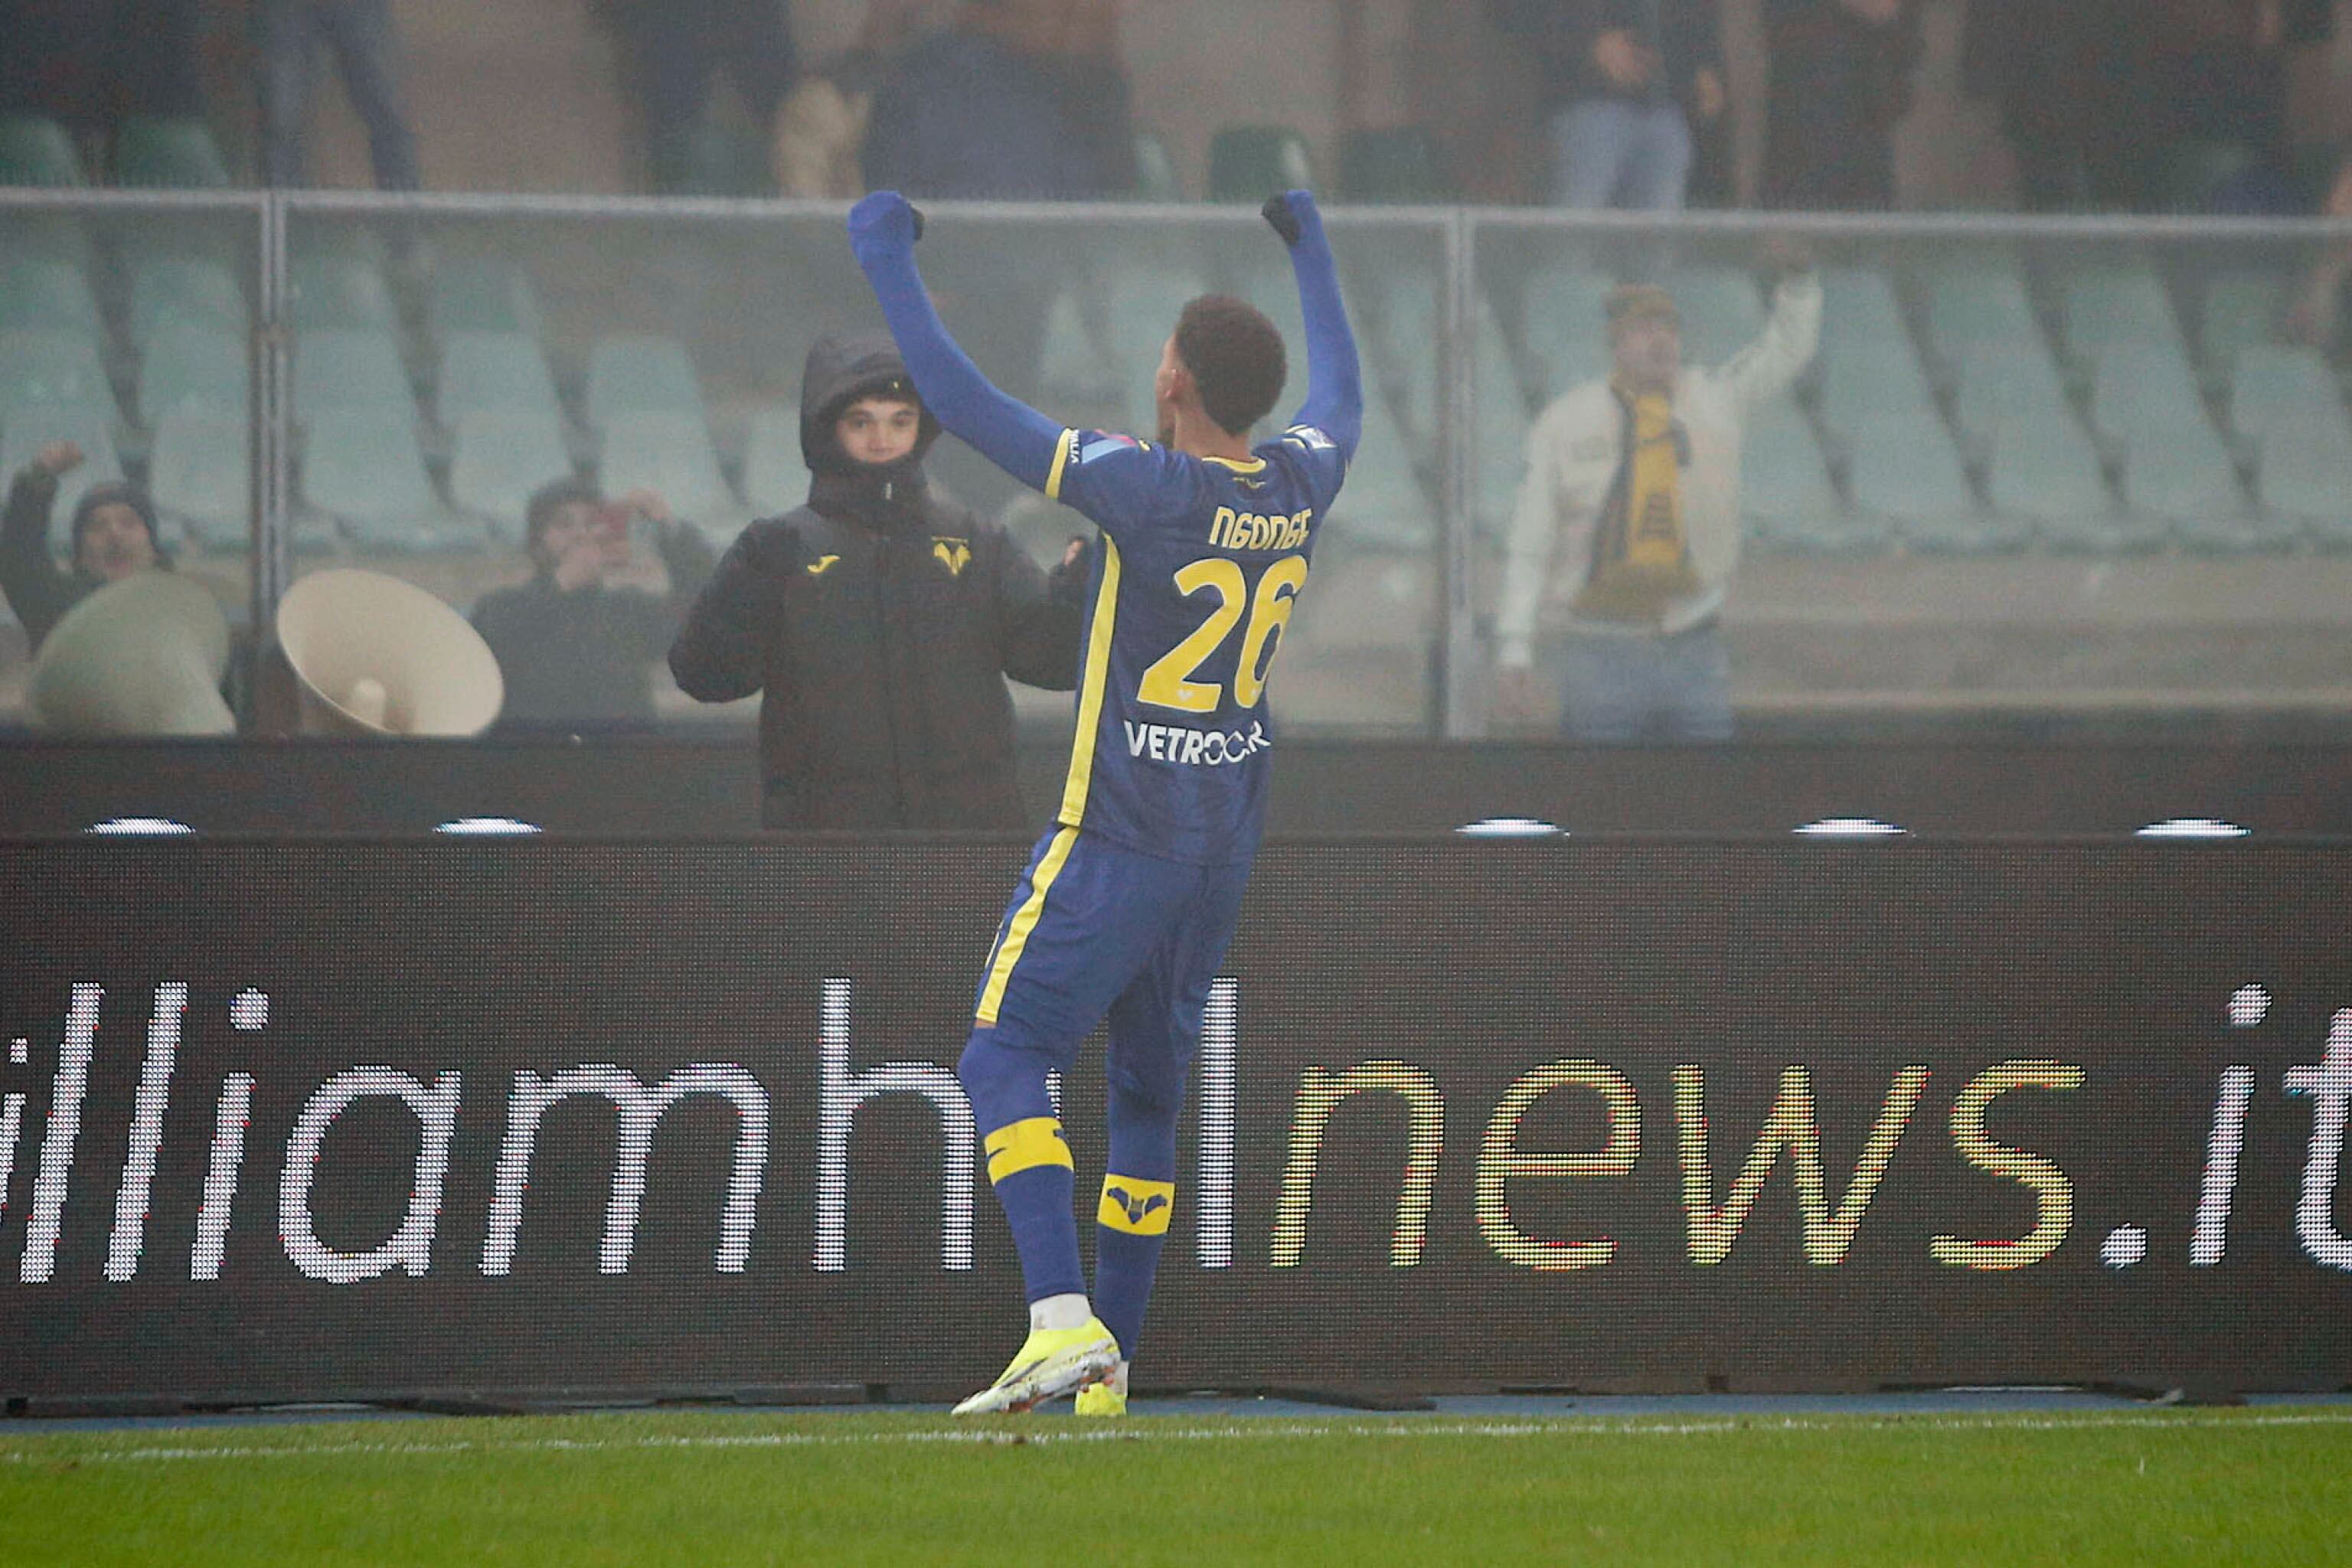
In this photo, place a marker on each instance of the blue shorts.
(1097, 930)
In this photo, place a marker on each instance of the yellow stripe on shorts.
(1135, 1206)
(1024, 1146)
(1023, 922)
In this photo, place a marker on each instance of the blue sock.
(1131, 1222)
(1124, 1264)
(1028, 1160)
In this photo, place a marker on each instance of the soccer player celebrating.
(1131, 899)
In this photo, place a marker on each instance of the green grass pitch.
(2270, 1485)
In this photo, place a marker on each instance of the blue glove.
(884, 223)
(1294, 216)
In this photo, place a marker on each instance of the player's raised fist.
(885, 221)
(1293, 215)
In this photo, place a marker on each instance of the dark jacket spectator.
(681, 45)
(1841, 80)
(1021, 99)
(113, 536)
(2071, 79)
(577, 649)
(879, 621)
(1622, 83)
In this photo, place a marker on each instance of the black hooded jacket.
(880, 622)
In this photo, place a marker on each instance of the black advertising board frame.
(310, 1119)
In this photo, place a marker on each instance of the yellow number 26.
(1170, 682)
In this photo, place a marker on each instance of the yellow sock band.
(1135, 1206)
(1024, 1146)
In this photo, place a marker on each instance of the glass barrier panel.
(126, 442)
(448, 366)
(2022, 476)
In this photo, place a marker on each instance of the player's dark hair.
(1236, 359)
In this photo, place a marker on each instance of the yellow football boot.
(1051, 1362)
(1101, 1399)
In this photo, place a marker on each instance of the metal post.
(272, 438)
(1460, 715)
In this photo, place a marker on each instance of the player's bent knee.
(1004, 1080)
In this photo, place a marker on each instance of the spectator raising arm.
(883, 229)
(1334, 380)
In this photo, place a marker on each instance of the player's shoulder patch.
(1095, 445)
(1308, 438)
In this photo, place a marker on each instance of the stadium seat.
(57, 369)
(1071, 364)
(1395, 164)
(171, 154)
(1860, 313)
(195, 367)
(1786, 496)
(333, 292)
(775, 476)
(1979, 298)
(1499, 448)
(1721, 312)
(1907, 471)
(2185, 477)
(481, 294)
(1857, 387)
(716, 159)
(55, 235)
(35, 151)
(670, 453)
(1566, 327)
(642, 373)
(2118, 306)
(42, 293)
(25, 428)
(348, 369)
(500, 456)
(361, 465)
(2146, 388)
(2242, 308)
(1155, 170)
(2306, 474)
(200, 471)
(1248, 161)
(493, 370)
(184, 291)
(2007, 379)
(1382, 504)
(2278, 383)
(2045, 472)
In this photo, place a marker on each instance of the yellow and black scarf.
(1640, 552)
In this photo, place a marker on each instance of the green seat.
(1785, 491)
(2185, 477)
(195, 367)
(362, 465)
(2306, 473)
(35, 151)
(337, 291)
(501, 457)
(493, 370)
(2109, 306)
(169, 155)
(1250, 163)
(2007, 379)
(481, 294)
(641, 373)
(1384, 505)
(42, 293)
(1155, 170)
(200, 473)
(2242, 308)
(1979, 296)
(55, 369)
(1398, 164)
(775, 475)
(169, 292)
(714, 159)
(337, 370)
(670, 454)
(2044, 470)
(2278, 383)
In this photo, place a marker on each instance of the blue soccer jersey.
(1204, 561)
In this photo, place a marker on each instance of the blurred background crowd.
(1935, 469)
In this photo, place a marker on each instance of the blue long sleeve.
(1335, 379)
(1002, 428)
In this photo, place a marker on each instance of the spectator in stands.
(1020, 100)
(90, 64)
(880, 622)
(365, 46)
(113, 538)
(2217, 101)
(1623, 82)
(681, 45)
(2071, 80)
(576, 647)
(1841, 80)
(1629, 515)
(821, 128)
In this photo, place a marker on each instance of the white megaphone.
(372, 654)
(140, 656)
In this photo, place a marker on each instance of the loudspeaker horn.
(140, 656)
(375, 655)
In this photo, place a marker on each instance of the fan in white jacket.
(1631, 662)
